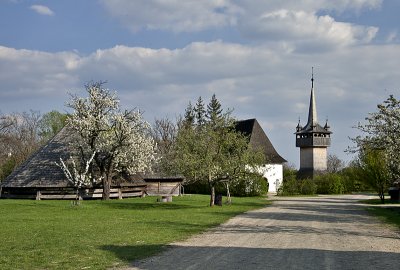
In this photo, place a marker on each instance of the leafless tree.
(18, 139)
(164, 134)
(335, 164)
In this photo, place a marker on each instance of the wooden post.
(120, 194)
(38, 193)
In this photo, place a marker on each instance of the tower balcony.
(313, 141)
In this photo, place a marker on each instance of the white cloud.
(307, 29)
(392, 36)
(42, 10)
(175, 15)
(257, 7)
(269, 84)
(290, 24)
(27, 73)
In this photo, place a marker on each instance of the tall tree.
(189, 116)
(120, 140)
(19, 138)
(213, 154)
(374, 170)
(214, 110)
(382, 132)
(51, 123)
(200, 112)
(164, 133)
(334, 164)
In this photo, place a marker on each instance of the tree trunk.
(212, 189)
(106, 187)
(228, 194)
(212, 198)
(382, 197)
(382, 194)
(77, 197)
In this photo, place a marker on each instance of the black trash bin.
(394, 193)
(218, 199)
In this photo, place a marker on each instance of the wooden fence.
(70, 193)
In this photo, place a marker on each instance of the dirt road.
(328, 232)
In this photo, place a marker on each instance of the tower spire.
(312, 77)
(312, 112)
(313, 141)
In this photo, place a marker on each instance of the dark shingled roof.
(40, 170)
(259, 140)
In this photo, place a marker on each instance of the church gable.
(259, 140)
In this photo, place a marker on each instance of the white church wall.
(274, 174)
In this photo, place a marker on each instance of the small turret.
(327, 127)
(299, 127)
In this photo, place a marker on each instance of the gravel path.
(325, 232)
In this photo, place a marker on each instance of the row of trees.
(337, 180)
(201, 145)
(204, 146)
(23, 133)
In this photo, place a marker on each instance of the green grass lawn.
(390, 213)
(102, 234)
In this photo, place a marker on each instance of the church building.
(313, 141)
(272, 171)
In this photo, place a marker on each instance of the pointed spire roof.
(312, 112)
(312, 123)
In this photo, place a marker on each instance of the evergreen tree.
(189, 116)
(214, 110)
(213, 155)
(200, 112)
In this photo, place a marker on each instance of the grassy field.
(390, 213)
(102, 234)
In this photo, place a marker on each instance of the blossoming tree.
(119, 139)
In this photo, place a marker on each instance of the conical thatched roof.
(40, 170)
(259, 140)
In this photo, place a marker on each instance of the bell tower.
(313, 141)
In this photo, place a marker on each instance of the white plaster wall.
(274, 175)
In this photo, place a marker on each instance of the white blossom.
(120, 139)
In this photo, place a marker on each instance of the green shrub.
(250, 185)
(290, 186)
(351, 179)
(307, 187)
(7, 168)
(331, 183)
(202, 187)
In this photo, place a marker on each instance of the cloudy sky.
(256, 56)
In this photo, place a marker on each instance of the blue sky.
(256, 56)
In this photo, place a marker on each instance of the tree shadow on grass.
(129, 253)
(150, 205)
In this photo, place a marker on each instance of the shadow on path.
(262, 258)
